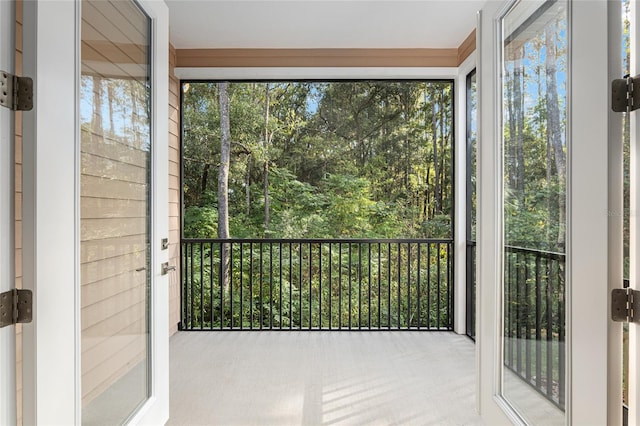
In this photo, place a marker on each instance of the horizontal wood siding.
(114, 191)
(317, 57)
(174, 193)
(467, 47)
(426, 57)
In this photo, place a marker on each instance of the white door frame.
(7, 220)
(587, 255)
(460, 212)
(51, 214)
(634, 279)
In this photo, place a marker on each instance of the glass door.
(115, 210)
(534, 192)
(543, 227)
(471, 194)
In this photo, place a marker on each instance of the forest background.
(365, 159)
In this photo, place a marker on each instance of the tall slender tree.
(267, 137)
(554, 126)
(223, 177)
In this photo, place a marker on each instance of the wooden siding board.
(113, 266)
(125, 301)
(18, 206)
(18, 178)
(100, 353)
(317, 57)
(93, 293)
(18, 150)
(174, 193)
(108, 248)
(100, 343)
(93, 186)
(467, 47)
(125, 358)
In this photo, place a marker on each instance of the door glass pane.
(472, 132)
(115, 155)
(534, 96)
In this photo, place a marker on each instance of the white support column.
(588, 251)
(460, 185)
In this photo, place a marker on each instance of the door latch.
(166, 268)
(623, 305)
(16, 306)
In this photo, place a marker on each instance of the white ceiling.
(321, 23)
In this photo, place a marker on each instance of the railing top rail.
(544, 253)
(319, 240)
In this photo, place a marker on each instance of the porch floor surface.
(322, 378)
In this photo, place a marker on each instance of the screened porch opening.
(318, 205)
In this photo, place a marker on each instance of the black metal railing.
(317, 284)
(471, 290)
(534, 346)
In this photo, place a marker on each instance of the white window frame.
(456, 74)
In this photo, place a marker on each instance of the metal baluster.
(251, 285)
(399, 282)
(359, 286)
(418, 295)
(300, 282)
(538, 324)
(408, 286)
(349, 281)
(290, 287)
(340, 287)
(231, 285)
(369, 288)
(220, 283)
(241, 285)
(330, 288)
(429, 286)
(389, 286)
(280, 281)
(379, 295)
(320, 286)
(260, 275)
(310, 284)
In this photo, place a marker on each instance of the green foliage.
(201, 222)
(345, 159)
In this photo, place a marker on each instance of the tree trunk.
(96, 118)
(510, 142)
(111, 96)
(247, 187)
(519, 110)
(434, 134)
(266, 160)
(443, 136)
(223, 180)
(554, 130)
(204, 180)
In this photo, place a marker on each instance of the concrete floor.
(322, 378)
